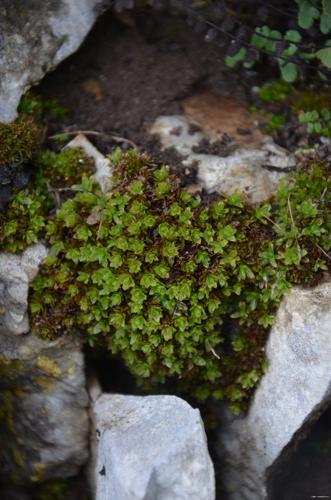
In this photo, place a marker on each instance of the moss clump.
(19, 140)
(277, 91)
(310, 101)
(283, 105)
(66, 168)
(38, 108)
(24, 221)
(178, 289)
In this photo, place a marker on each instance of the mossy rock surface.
(19, 140)
(43, 408)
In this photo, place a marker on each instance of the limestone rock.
(35, 37)
(254, 170)
(151, 448)
(43, 402)
(290, 397)
(44, 408)
(16, 271)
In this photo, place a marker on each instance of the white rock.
(16, 271)
(174, 132)
(103, 166)
(291, 395)
(151, 448)
(254, 171)
(241, 172)
(35, 38)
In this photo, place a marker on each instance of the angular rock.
(16, 271)
(44, 408)
(151, 448)
(292, 394)
(34, 38)
(43, 402)
(254, 170)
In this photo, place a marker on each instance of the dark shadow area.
(306, 473)
(75, 488)
(112, 374)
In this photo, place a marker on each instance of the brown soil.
(130, 71)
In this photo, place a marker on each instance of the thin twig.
(75, 189)
(323, 251)
(323, 194)
(293, 224)
(199, 17)
(213, 351)
(100, 225)
(114, 137)
(272, 222)
(290, 210)
(55, 195)
(281, 11)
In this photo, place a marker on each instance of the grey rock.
(290, 397)
(35, 37)
(16, 272)
(254, 171)
(44, 418)
(43, 401)
(151, 448)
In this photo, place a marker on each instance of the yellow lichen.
(40, 470)
(48, 365)
(19, 457)
(45, 382)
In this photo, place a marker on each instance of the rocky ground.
(148, 81)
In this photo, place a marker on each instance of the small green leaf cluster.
(37, 107)
(178, 289)
(317, 122)
(267, 39)
(282, 104)
(275, 92)
(24, 220)
(292, 45)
